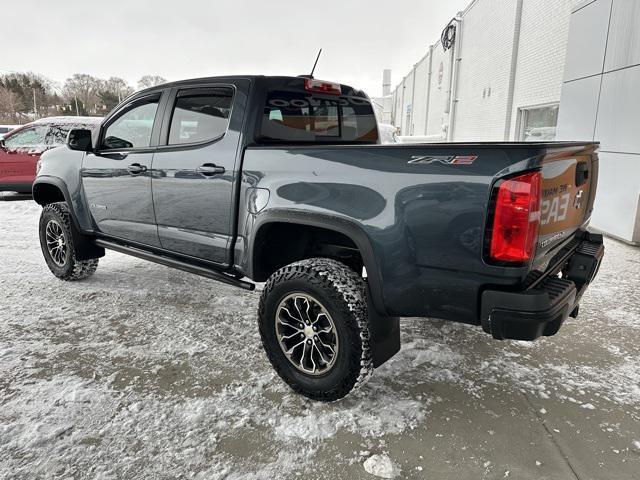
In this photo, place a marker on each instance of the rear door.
(195, 169)
(569, 176)
(117, 177)
(20, 155)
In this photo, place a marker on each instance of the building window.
(537, 124)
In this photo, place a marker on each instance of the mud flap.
(85, 249)
(385, 335)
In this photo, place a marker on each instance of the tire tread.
(348, 289)
(81, 269)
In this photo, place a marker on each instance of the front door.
(117, 177)
(195, 168)
(19, 157)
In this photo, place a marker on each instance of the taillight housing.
(320, 86)
(516, 219)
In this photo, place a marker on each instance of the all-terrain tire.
(344, 295)
(66, 267)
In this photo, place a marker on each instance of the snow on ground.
(147, 372)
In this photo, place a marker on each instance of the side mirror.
(80, 139)
(2, 147)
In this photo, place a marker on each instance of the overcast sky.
(193, 38)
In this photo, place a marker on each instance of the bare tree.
(10, 106)
(34, 92)
(113, 91)
(82, 92)
(150, 81)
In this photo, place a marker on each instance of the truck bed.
(425, 210)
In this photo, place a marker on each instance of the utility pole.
(35, 107)
(77, 111)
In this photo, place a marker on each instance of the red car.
(20, 149)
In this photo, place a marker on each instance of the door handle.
(136, 168)
(209, 169)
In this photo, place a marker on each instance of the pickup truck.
(283, 180)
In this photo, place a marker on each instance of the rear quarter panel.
(423, 215)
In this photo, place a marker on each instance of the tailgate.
(569, 178)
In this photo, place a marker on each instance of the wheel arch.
(339, 225)
(48, 190)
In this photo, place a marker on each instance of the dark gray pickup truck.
(282, 180)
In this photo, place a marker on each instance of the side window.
(200, 115)
(27, 138)
(132, 129)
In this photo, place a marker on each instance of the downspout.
(456, 59)
(429, 76)
(514, 65)
(413, 99)
(402, 115)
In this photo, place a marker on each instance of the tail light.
(516, 219)
(320, 86)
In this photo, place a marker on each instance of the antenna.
(316, 63)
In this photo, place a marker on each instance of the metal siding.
(577, 116)
(618, 193)
(623, 47)
(587, 40)
(618, 123)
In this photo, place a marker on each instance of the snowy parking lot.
(146, 372)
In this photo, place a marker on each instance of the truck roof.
(276, 80)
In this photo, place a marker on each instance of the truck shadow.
(14, 196)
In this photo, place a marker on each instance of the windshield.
(299, 117)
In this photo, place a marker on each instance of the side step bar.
(172, 262)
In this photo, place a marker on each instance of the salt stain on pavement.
(146, 372)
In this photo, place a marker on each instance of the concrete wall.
(600, 101)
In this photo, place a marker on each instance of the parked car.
(21, 148)
(4, 129)
(282, 180)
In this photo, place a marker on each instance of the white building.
(493, 83)
(538, 70)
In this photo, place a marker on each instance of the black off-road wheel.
(314, 327)
(57, 244)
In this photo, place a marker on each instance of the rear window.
(300, 117)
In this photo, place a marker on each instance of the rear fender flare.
(337, 224)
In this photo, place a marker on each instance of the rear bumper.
(542, 308)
